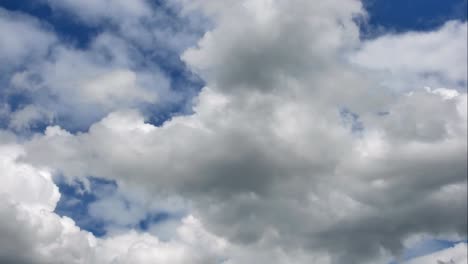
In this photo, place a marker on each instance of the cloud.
(25, 184)
(436, 58)
(23, 38)
(454, 255)
(32, 233)
(269, 169)
(267, 163)
(273, 48)
(98, 82)
(126, 65)
(26, 117)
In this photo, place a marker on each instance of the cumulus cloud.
(269, 165)
(84, 85)
(32, 233)
(127, 63)
(409, 60)
(347, 193)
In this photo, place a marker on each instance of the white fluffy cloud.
(32, 233)
(348, 191)
(118, 67)
(271, 167)
(409, 60)
(84, 85)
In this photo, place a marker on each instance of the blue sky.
(396, 16)
(74, 32)
(421, 15)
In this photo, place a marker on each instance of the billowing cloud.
(271, 163)
(32, 233)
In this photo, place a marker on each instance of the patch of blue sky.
(66, 27)
(410, 15)
(426, 247)
(152, 218)
(16, 101)
(352, 121)
(182, 81)
(79, 34)
(76, 199)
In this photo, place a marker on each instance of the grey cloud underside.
(267, 161)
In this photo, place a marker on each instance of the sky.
(252, 131)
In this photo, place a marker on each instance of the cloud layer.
(306, 145)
